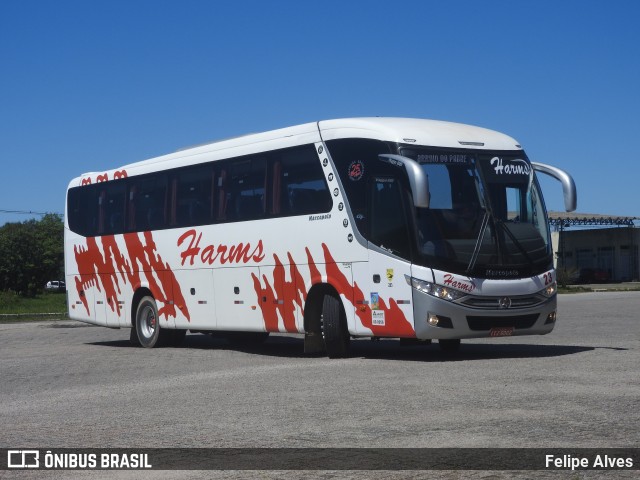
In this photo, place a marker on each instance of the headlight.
(435, 290)
(549, 290)
(422, 286)
(447, 293)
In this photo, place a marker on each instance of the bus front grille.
(493, 303)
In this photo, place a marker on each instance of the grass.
(573, 289)
(599, 288)
(14, 308)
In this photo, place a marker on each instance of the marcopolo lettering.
(326, 216)
(502, 273)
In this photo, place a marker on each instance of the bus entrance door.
(389, 295)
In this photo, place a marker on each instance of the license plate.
(501, 332)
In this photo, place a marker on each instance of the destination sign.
(444, 158)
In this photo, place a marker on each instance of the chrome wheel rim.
(149, 322)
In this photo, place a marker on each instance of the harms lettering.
(450, 281)
(240, 253)
(516, 167)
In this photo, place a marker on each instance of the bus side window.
(113, 207)
(222, 194)
(149, 196)
(194, 192)
(84, 210)
(299, 186)
(245, 197)
(348, 153)
(388, 224)
(131, 207)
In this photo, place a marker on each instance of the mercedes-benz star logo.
(504, 302)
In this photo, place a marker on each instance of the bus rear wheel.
(333, 323)
(147, 323)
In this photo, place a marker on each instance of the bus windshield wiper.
(513, 238)
(484, 200)
(476, 249)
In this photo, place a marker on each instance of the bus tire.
(133, 337)
(333, 323)
(449, 345)
(147, 323)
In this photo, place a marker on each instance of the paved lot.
(67, 384)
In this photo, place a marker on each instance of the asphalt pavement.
(69, 384)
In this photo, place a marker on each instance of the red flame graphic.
(284, 298)
(284, 295)
(102, 272)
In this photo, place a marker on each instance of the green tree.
(31, 253)
(50, 238)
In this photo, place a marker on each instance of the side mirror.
(418, 178)
(568, 185)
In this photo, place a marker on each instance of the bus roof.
(418, 131)
(400, 130)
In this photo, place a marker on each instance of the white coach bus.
(367, 227)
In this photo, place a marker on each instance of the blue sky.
(91, 85)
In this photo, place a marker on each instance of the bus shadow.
(392, 349)
(468, 351)
(292, 347)
(277, 346)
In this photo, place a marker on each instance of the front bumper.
(462, 321)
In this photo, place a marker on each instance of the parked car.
(55, 286)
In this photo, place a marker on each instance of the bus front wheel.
(334, 327)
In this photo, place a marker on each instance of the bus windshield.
(486, 217)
